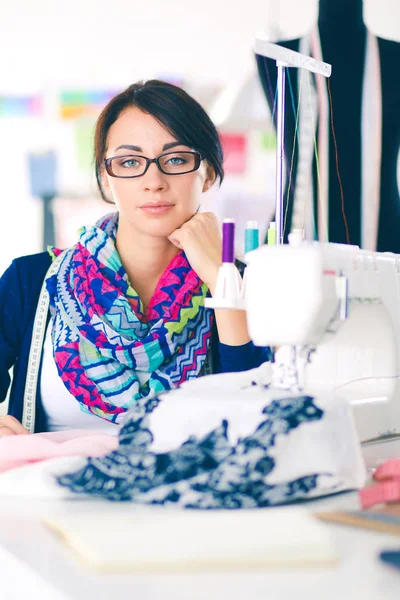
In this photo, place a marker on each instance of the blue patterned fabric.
(205, 473)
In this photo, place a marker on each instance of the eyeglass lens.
(172, 163)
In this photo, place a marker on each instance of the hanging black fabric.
(343, 42)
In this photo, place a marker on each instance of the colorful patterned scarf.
(108, 352)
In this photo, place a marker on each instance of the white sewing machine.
(334, 312)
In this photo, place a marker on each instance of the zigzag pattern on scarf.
(101, 343)
(170, 286)
(84, 390)
(191, 362)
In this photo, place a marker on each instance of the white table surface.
(35, 564)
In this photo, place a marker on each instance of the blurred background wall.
(61, 61)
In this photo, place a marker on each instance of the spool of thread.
(228, 241)
(271, 234)
(251, 236)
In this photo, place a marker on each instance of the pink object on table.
(387, 488)
(386, 491)
(389, 470)
(18, 450)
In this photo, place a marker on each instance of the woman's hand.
(200, 239)
(10, 426)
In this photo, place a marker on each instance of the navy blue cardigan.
(20, 287)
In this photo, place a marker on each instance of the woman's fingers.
(200, 239)
(11, 426)
(5, 431)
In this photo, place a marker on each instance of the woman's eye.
(129, 163)
(176, 160)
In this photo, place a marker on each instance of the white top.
(287, 19)
(383, 18)
(62, 409)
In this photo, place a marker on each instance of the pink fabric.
(388, 487)
(389, 470)
(387, 491)
(18, 450)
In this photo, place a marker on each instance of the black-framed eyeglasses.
(170, 163)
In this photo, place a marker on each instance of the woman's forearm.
(231, 324)
(232, 327)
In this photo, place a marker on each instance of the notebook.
(164, 539)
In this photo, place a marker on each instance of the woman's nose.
(154, 179)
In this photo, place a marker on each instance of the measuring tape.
(39, 327)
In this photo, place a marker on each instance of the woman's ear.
(210, 177)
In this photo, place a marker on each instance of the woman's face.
(154, 203)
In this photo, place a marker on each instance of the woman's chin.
(154, 225)
(159, 228)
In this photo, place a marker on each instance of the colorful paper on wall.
(234, 146)
(83, 103)
(268, 140)
(20, 106)
(83, 133)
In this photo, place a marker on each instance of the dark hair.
(172, 107)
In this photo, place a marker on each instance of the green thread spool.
(271, 235)
(251, 236)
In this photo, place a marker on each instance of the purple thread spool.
(228, 241)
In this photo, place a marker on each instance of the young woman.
(120, 316)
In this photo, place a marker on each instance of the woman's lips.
(156, 209)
